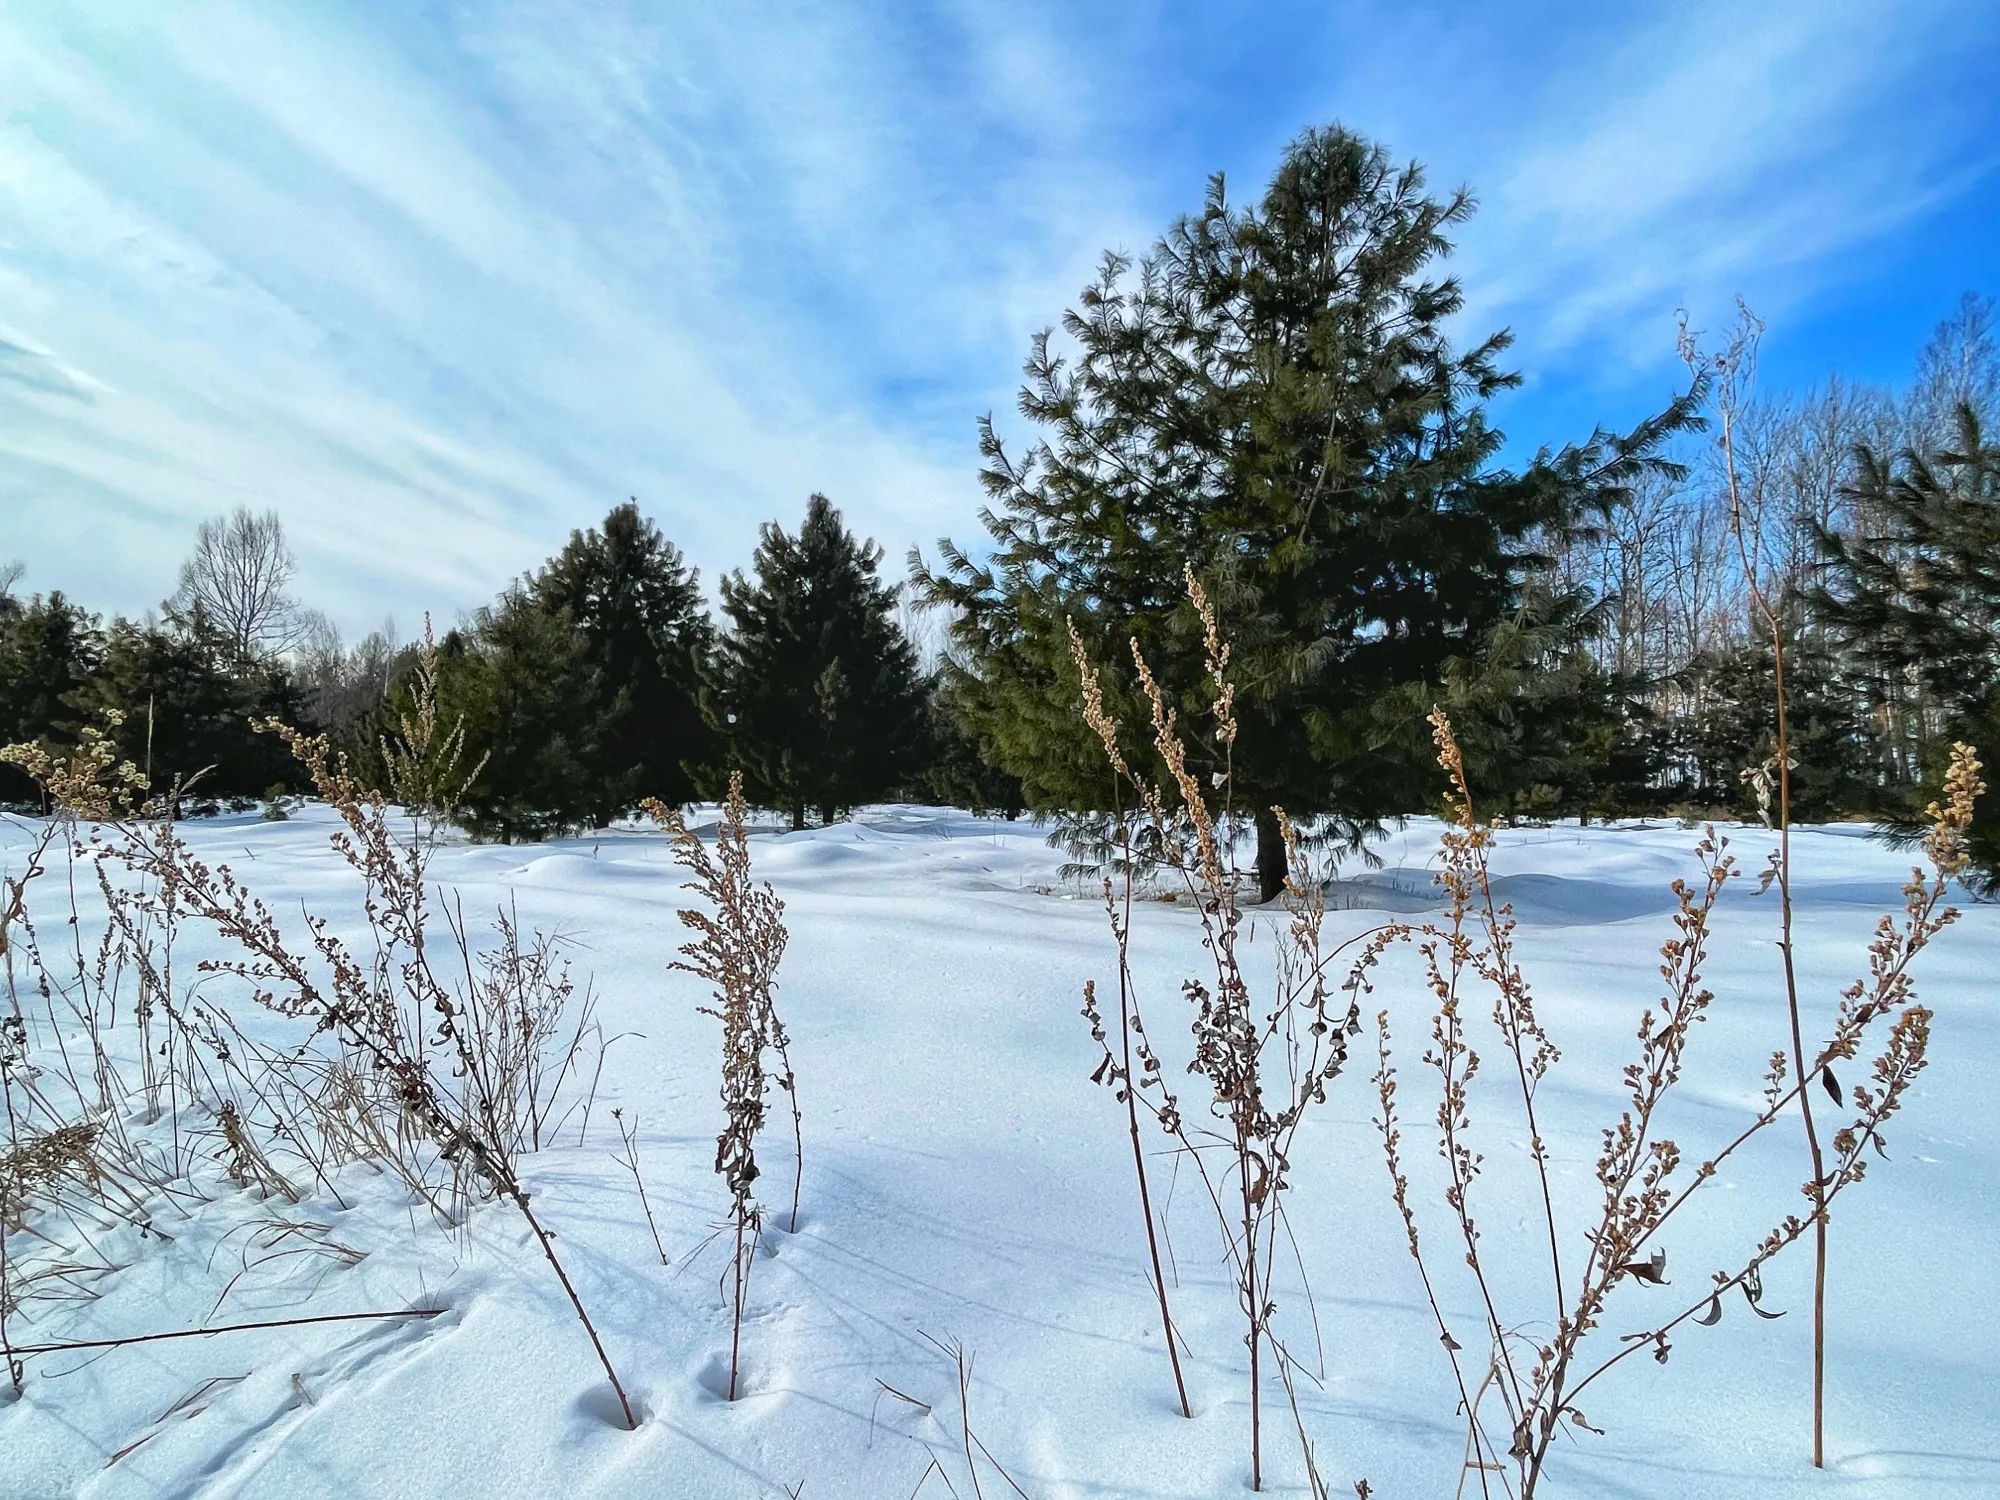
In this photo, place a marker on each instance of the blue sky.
(440, 282)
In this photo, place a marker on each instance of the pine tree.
(640, 608)
(521, 682)
(814, 690)
(1270, 400)
(953, 769)
(1916, 601)
(189, 702)
(49, 649)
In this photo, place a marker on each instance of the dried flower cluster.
(1264, 1064)
(738, 944)
(1639, 1172)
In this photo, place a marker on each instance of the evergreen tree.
(522, 684)
(48, 650)
(189, 703)
(1835, 742)
(954, 771)
(1916, 602)
(814, 690)
(1270, 400)
(1545, 728)
(640, 610)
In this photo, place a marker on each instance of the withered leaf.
(1714, 1314)
(1260, 1186)
(1451, 1343)
(1832, 1085)
(1753, 1293)
(1102, 1068)
(1652, 1270)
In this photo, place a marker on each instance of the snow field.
(965, 1182)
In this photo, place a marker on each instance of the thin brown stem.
(1783, 757)
(1254, 1307)
(1132, 1123)
(736, 1322)
(519, 1195)
(202, 1333)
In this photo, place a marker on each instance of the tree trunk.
(798, 814)
(1270, 855)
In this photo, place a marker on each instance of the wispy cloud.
(1723, 150)
(442, 285)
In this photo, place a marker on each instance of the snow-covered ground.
(966, 1182)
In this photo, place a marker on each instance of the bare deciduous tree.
(1960, 366)
(342, 682)
(238, 580)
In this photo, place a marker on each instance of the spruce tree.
(814, 691)
(1269, 399)
(521, 682)
(640, 609)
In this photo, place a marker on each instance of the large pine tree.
(1270, 399)
(814, 691)
(640, 609)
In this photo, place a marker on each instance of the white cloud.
(441, 288)
(1719, 150)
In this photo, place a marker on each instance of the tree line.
(1269, 401)
(591, 684)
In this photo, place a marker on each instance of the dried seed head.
(1452, 758)
(1217, 653)
(1094, 712)
(1952, 817)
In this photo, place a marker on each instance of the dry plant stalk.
(629, 1134)
(738, 945)
(1264, 1065)
(1735, 371)
(81, 1164)
(1116, 1069)
(426, 1061)
(1639, 1170)
(967, 1440)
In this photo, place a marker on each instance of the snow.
(965, 1182)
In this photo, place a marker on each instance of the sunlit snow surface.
(965, 1181)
